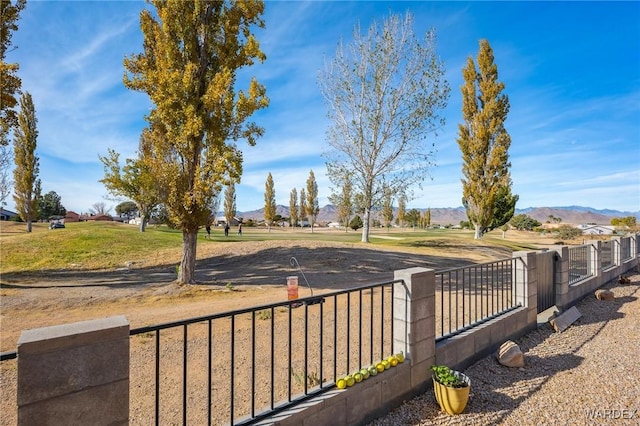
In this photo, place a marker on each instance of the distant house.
(590, 229)
(100, 217)
(7, 214)
(72, 216)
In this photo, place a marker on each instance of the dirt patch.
(230, 276)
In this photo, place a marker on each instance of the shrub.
(567, 232)
(356, 223)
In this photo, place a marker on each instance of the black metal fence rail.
(6, 356)
(468, 296)
(240, 366)
(606, 254)
(579, 263)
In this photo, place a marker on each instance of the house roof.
(6, 212)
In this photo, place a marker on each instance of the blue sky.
(571, 70)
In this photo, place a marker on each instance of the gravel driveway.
(586, 375)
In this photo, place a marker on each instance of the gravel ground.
(586, 375)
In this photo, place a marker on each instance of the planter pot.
(452, 400)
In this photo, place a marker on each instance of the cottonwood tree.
(10, 83)
(384, 93)
(269, 202)
(343, 201)
(192, 54)
(230, 202)
(522, 222)
(25, 174)
(311, 206)
(293, 207)
(136, 180)
(413, 217)
(99, 208)
(484, 143)
(628, 221)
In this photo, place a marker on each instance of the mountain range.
(453, 215)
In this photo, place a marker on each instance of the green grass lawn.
(104, 245)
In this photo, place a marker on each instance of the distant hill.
(453, 216)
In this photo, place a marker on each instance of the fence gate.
(546, 278)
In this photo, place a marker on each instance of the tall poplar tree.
(269, 202)
(230, 203)
(192, 53)
(384, 93)
(312, 208)
(402, 209)
(484, 143)
(25, 175)
(293, 207)
(387, 209)
(427, 218)
(303, 205)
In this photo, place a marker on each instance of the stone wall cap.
(46, 339)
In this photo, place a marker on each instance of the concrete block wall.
(462, 350)
(74, 374)
(568, 295)
(356, 405)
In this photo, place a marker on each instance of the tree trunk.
(480, 230)
(143, 223)
(187, 270)
(28, 225)
(365, 225)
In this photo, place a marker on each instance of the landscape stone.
(603, 294)
(564, 320)
(510, 355)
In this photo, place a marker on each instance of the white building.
(589, 229)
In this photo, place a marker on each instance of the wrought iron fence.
(625, 248)
(240, 366)
(606, 254)
(468, 296)
(579, 263)
(5, 356)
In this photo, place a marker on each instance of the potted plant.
(451, 388)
